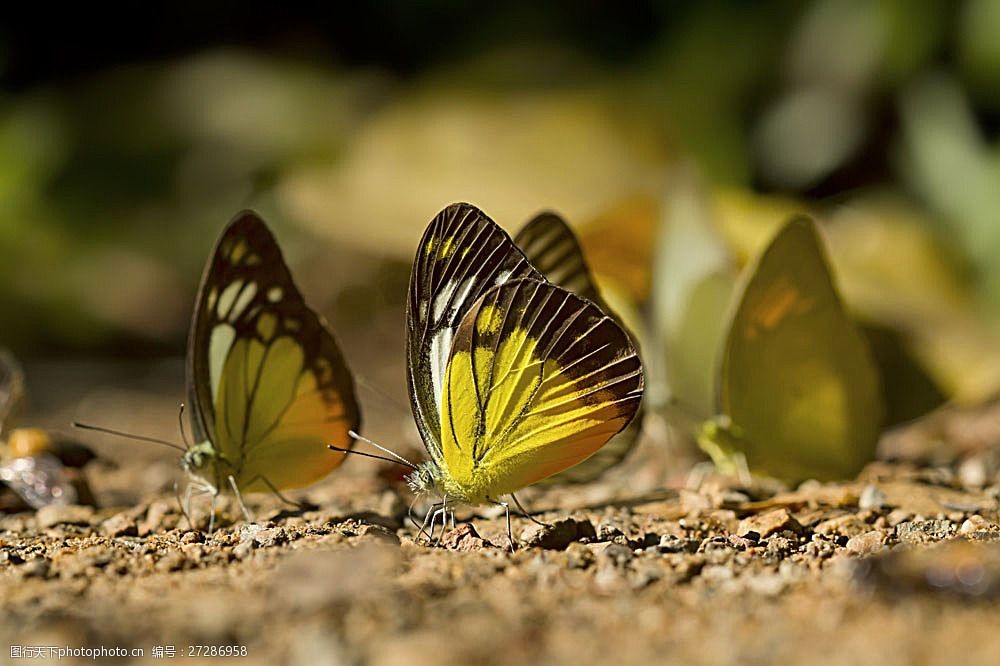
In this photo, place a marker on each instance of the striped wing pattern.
(539, 379)
(463, 253)
(551, 246)
(268, 382)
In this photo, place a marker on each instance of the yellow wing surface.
(268, 382)
(552, 248)
(463, 254)
(798, 380)
(537, 381)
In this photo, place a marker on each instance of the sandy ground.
(901, 566)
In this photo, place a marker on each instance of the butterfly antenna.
(119, 433)
(395, 455)
(368, 455)
(180, 424)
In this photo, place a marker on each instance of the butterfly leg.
(510, 534)
(182, 504)
(211, 519)
(247, 515)
(196, 489)
(444, 519)
(526, 514)
(429, 516)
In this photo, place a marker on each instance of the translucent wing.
(40, 480)
(552, 248)
(269, 385)
(463, 253)
(798, 380)
(539, 379)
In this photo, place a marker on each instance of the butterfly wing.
(268, 382)
(11, 389)
(552, 248)
(463, 253)
(797, 377)
(39, 480)
(538, 380)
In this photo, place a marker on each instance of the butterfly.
(512, 378)
(268, 382)
(798, 392)
(33, 465)
(551, 246)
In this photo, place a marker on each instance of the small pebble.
(768, 523)
(871, 498)
(120, 524)
(865, 544)
(464, 537)
(52, 515)
(977, 523)
(558, 535)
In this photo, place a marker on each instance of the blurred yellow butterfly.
(798, 391)
(268, 383)
(512, 378)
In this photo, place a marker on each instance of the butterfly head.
(197, 457)
(425, 478)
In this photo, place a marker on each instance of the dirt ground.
(900, 566)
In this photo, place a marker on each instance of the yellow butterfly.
(512, 378)
(552, 248)
(268, 383)
(798, 390)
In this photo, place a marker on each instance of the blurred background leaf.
(123, 152)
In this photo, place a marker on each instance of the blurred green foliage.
(115, 178)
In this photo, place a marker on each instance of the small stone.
(973, 472)
(897, 516)
(154, 521)
(871, 498)
(270, 536)
(558, 535)
(608, 532)
(120, 524)
(464, 537)
(249, 531)
(193, 536)
(766, 524)
(578, 556)
(976, 523)
(848, 526)
(865, 544)
(616, 554)
(244, 549)
(749, 540)
(52, 515)
(924, 531)
(675, 544)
